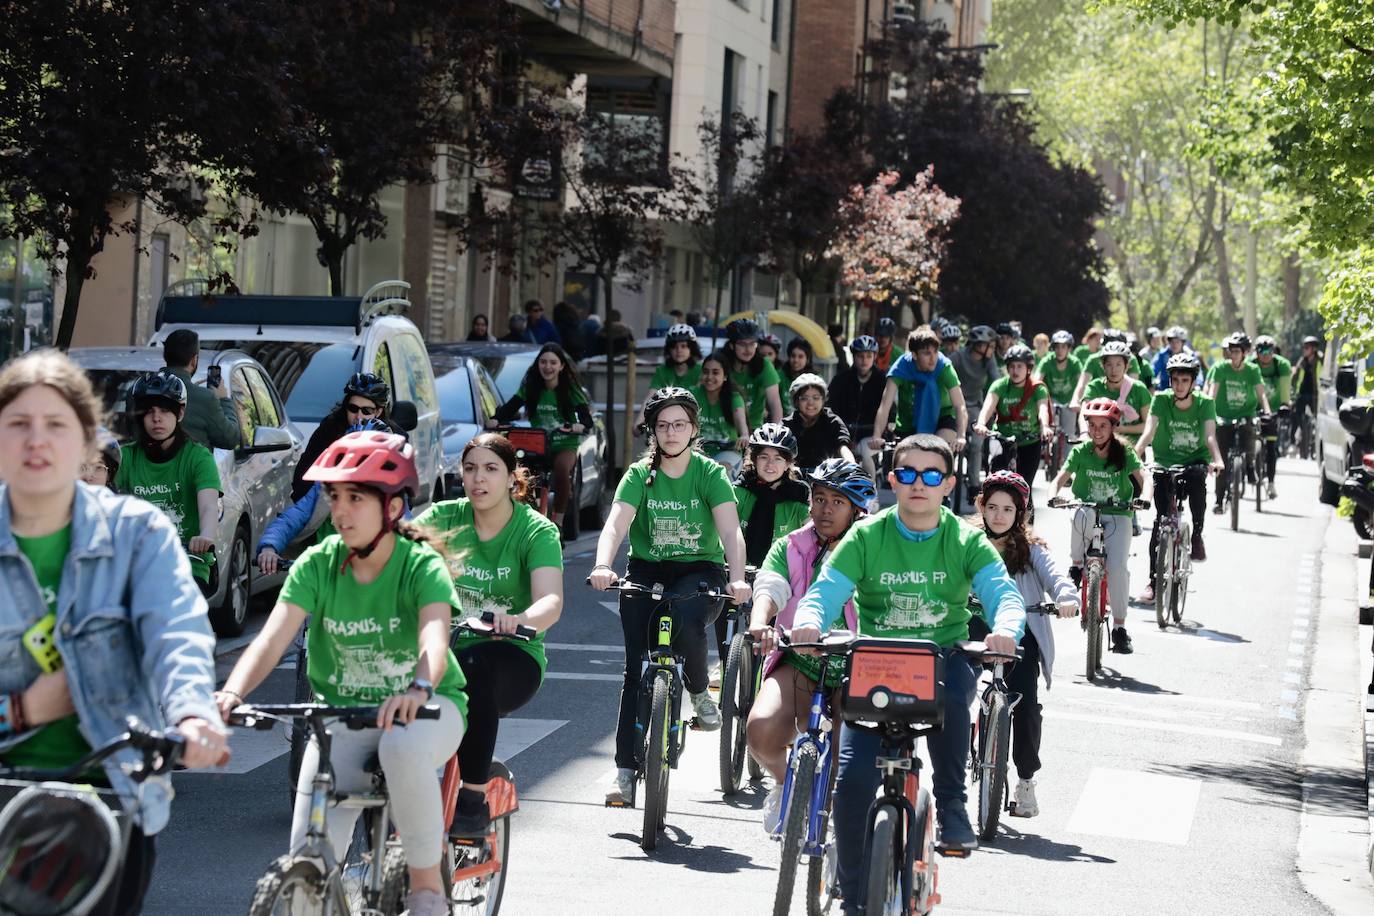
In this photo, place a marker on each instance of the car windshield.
(113, 386)
(509, 371)
(309, 376)
(454, 386)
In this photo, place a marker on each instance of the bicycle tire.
(753, 685)
(286, 875)
(882, 886)
(796, 819)
(1259, 479)
(992, 791)
(1093, 576)
(822, 882)
(656, 764)
(478, 896)
(1237, 490)
(734, 716)
(1183, 570)
(1164, 576)
(304, 693)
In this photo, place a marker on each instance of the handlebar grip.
(427, 712)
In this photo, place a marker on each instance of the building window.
(777, 23)
(729, 84)
(771, 120)
(630, 109)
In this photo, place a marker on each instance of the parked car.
(310, 345)
(255, 476)
(1338, 450)
(467, 399)
(485, 376)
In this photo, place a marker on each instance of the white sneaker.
(622, 793)
(708, 714)
(1024, 804)
(1273, 493)
(772, 810)
(714, 679)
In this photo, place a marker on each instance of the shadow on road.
(1013, 842)
(750, 797)
(1279, 783)
(675, 848)
(1112, 679)
(1263, 534)
(1193, 628)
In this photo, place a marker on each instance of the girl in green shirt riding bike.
(681, 358)
(722, 414)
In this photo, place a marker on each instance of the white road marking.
(1297, 648)
(579, 647)
(1292, 677)
(612, 606)
(1154, 698)
(1289, 696)
(1288, 713)
(517, 735)
(1295, 663)
(578, 676)
(1136, 806)
(1174, 727)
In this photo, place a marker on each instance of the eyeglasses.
(361, 411)
(88, 469)
(676, 426)
(1264, 349)
(931, 477)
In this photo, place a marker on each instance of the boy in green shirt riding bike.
(1237, 387)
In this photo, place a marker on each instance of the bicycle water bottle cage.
(893, 680)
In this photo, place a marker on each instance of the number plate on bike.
(893, 680)
(528, 440)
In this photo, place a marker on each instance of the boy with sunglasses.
(910, 569)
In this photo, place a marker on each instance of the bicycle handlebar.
(161, 751)
(263, 717)
(838, 642)
(283, 564)
(624, 585)
(522, 633)
(1060, 502)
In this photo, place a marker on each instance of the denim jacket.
(131, 627)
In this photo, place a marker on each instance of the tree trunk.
(1251, 281)
(17, 316)
(79, 254)
(334, 256)
(1229, 308)
(1292, 288)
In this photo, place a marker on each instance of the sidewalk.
(1335, 860)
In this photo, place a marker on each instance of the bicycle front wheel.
(1093, 576)
(735, 682)
(795, 821)
(1183, 570)
(992, 788)
(656, 764)
(883, 887)
(822, 882)
(296, 886)
(1164, 577)
(1237, 490)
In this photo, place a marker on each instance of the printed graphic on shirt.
(370, 672)
(679, 535)
(908, 611)
(1184, 438)
(1102, 485)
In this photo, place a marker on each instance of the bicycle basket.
(530, 440)
(893, 680)
(59, 848)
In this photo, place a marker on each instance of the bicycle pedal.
(692, 725)
(620, 804)
(952, 853)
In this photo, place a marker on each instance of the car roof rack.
(192, 302)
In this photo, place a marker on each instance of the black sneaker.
(1219, 508)
(470, 825)
(1121, 641)
(954, 834)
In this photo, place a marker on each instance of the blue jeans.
(859, 779)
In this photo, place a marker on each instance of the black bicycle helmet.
(1116, 348)
(1020, 353)
(1006, 329)
(864, 343)
(774, 435)
(1183, 362)
(845, 478)
(1111, 334)
(667, 397)
(367, 385)
(742, 329)
(950, 331)
(160, 388)
(886, 327)
(680, 333)
(980, 333)
(1062, 337)
(1265, 342)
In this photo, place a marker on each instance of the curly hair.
(1015, 545)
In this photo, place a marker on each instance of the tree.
(100, 101)
(891, 241)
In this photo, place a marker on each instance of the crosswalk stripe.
(1174, 727)
(580, 676)
(583, 647)
(1136, 806)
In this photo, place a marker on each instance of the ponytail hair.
(501, 447)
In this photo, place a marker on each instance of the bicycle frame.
(819, 733)
(900, 788)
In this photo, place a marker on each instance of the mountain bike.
(1059, 445)
(740, 680)
(1093, 581)
(1174, 556)
(310, 881)
(660, 722)
(62, 844)
(1237, 455)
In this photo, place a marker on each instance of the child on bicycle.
(1021, 404)
(1101, 469)
(1059, 370)
(840, 495)
(755, 377)
(553, 398)
(679, 510)
(681, 355)
(1182, 428)
(910, 569)
(1132, 395)
(169, 470)
(1002, 511)
(924, 389)
(506, 553)
(820, 433)
(773, 500)
(1277, 375)
(722, 414)
(1238, 389)
(382, 598)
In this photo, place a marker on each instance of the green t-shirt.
(1137, 399)
(1027, 429)
(665, 376)
(1182, 434)
(1235, 394)
(753, 388)
(913, 589)
(1081, 353)
(673, 518)
(494, 575)
(545, 413)
(1277, 380)
(363, 642)
(787, 516)
(1060, 382)
(1094, 482)
(715, 423)
(171, 485)
(57, 744)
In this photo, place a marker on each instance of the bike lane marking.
(1136, 806)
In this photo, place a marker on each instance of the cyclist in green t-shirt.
(171, 471)
(681, 356)
(506, 553)
(553, 398)
(1277, 375)
(1238, 389)
(1021, 405)
(1132, 395)
(678, 508)
(1059, 370)
(380, 599)
(801, 360)
(724, 426)
(755, 377)
(1183, 431)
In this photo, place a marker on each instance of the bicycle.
(1093, 575)
(660, 722)
(311, 880)
(1236, 457)
(302, 692)
(532, 451)
(1307, 446)
(740, 680)
(1058, 448)
(42, 873)
(1174, 557)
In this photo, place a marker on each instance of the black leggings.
(690, 620)
(1196, 487)
(1027, 461)
(501, 677)
(1225, 436)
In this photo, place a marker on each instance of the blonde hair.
(54, 369)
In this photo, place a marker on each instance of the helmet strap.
(363, 553)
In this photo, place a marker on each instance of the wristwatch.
(420, 683)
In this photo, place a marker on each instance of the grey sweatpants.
(411, 757)
(1116, 542)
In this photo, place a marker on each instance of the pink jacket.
(803, 546)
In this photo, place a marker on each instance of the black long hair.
(568, 382)
(727, 387)
(693, 357)
(801, 343)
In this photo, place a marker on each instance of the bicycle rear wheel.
(1237, 490)
(883, 885)
(296, 886)
(1093, 608)
(478, 895)
(1259, 479)
(924, 869)
(656, 764)
(1164, 576)
(995, 738)
(735, 683)
(795, 822)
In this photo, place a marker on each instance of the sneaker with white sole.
(426, 903)
(707, 713)
(622, 791)
(714, 679)
(1273, 493)
(1024, 804)
(772, 810)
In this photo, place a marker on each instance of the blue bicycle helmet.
(864, 343)
(847, 479)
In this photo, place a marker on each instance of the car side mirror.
(404, 415)
(1346, 382)
(267, 439)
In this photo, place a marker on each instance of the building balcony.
(600, 37)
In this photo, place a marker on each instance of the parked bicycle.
(660, 720)
(1174, 557)
(740, 680)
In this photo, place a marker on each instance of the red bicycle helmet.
(1010, 482)
(1103, 407)
(383, 461)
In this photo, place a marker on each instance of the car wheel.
(231, 616)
